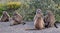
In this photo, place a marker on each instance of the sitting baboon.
(5, 17)
(38, 20)
(49, 19)
(17, 18)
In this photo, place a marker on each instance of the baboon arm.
(34, 18)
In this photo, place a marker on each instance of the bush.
(2, 8)
(27, 8)
(9, 6)
(13, 5)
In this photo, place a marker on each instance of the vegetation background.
(27, 8)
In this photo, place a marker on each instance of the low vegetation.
(28, 7)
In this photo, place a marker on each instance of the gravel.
(6, 28)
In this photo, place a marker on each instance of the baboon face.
(38, 11)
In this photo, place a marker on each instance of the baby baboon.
(5, 17)
(38, 20)
(17, 18)
(49, 19)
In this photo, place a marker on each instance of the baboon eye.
(38, 12)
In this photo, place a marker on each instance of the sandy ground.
(5, 28)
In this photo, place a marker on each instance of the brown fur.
(38, 20)
(49, 19)
(17, 18)
(5, 17)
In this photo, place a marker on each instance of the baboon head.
(17, 16)
(38, 11)
(5, 13)
(5, 17)
(49, 13)
(15, 13)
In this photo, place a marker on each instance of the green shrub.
(13, 5)
(27, 8)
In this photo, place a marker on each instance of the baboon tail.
(31, 29)
(55, 25)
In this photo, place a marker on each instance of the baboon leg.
(15, 23)
(6, 20)
(22, 22)
(55, 25)
(50, 24)
(47, 25)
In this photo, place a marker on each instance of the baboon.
(17, 18)
(38, 20)
(5, 17)
(49, 19)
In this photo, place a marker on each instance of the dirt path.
(5, 28)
